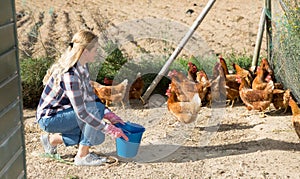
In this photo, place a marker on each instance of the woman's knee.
(43, 125)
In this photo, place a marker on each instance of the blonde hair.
(80, 41)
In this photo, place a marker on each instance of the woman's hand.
(114, 131)
(113, 118)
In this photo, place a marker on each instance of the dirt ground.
(221, 143)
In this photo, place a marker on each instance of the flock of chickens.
(188, 93)
(256, 90)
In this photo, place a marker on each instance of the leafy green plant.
(32, 73)
(111, 65)
(242, 60)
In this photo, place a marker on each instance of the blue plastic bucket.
(134, 132)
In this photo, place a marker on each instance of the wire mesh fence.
(285, 44)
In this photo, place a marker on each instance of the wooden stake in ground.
(268, 7)
(258, 40)
(178, 49)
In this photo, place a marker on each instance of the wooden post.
(268, 7)
(178, 49)
(258, 40)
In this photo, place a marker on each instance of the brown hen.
(280, 99)
(136, 88)
(259, 82)
(255, 99)
(232, 86)
(218, 85)
(184, 88)
(108, 94)
(243, 73)
(296, 115)
(264, 64)
(186, 111)
(192, 71)
(203, 85)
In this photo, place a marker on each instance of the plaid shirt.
(74, 91)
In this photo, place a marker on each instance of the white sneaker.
(47, 146)
(89, 159)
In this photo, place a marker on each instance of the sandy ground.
(221, 143)
(230, 26)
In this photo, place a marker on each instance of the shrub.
(32, 73)
(240, 59)
(110, 66)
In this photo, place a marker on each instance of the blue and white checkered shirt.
(74, 91)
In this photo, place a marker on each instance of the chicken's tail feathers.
(125, 82)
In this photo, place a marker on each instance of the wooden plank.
(9, 147)
(15, 169)
(6, 12)
(9, 92)
(8, 65)
(9, 119)
(12, 144)
(7, 36)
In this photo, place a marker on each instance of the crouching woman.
(68, 107)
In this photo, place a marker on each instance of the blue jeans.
(75, 131)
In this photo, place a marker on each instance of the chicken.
(202, 77)
(205, 95)
(185, 89)
(179, 76)
(264, 74)
(296, 115)
(229, 77)
(280, 99)
(259, 82)
(107, 81)
(218, 85)
(203, 85)
(192, 71)
(243, 73)
(174, 86)
(224, 65)
(108, 94)
(136, 88)
(232, 86)
(264, 64)
(232, 95)
(255, 99)
(182, 86)
(186, 111)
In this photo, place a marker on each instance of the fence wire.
(286, 44)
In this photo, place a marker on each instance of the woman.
(68, 106)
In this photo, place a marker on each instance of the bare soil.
(221, 143)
